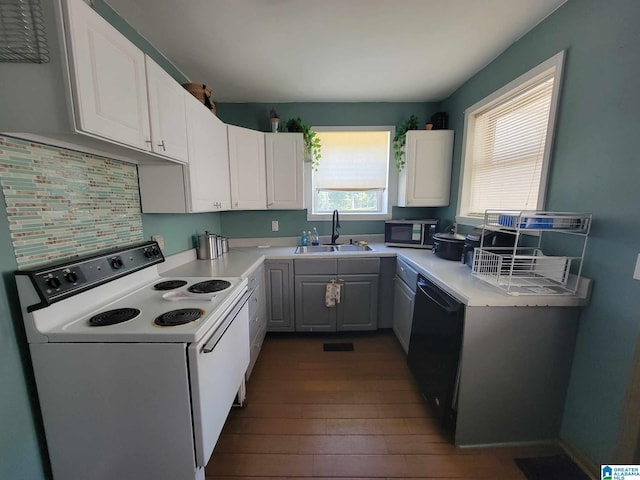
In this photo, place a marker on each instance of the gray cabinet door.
(312, 315)
(358, 308)
(403, 299)
(279, 291)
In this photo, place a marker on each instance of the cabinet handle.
(161, 144)
(147, 140)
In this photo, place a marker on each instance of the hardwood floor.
(316, 414)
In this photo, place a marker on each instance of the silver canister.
(225, 244)
(207, 246)
(219, 245)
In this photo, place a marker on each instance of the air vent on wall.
(22, 32)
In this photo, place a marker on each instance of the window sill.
(348, 217)
(470, 221)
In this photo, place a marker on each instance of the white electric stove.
(136, 373)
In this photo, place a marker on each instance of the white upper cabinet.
(247, 168)
(208, 186)
(284, 161)
(202, 185)
(108, 78)
(426, 179)
(167, 113)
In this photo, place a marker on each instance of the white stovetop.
(454, 277)
(56, 325)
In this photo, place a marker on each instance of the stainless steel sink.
(352, 248)
(334, 248)
(315, 249)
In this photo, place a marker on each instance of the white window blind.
(508, 150)
(353, 161)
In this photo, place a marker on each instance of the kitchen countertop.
(453, 277)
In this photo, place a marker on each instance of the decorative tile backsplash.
(61, 203)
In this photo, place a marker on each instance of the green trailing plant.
(312, 143)
(400, 141)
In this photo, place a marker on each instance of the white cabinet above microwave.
(91, 96)
(425, 180)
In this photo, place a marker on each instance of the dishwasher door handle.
(433, 295)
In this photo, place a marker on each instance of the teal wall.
(21, 452)
(594, 168)
(179, 229)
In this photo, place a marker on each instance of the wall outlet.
(636, 273)
(159, 239)
(274, 226)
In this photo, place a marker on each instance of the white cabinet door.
(108, 77)
(284, 158)
(167, 113)
(247, 168)
(426, 179)
(208, 181)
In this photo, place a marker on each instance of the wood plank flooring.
(315, 414)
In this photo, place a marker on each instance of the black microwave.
(410, 233)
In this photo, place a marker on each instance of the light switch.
(274, 225)
(636, 273)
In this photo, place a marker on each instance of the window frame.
(392, 187)
(529, 78)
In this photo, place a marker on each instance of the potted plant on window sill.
(400, 141)
(311, 141)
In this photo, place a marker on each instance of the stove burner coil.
(209, 286)
(169, 284)
(113, 317)
(179, 317)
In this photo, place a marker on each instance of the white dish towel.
(332, 294)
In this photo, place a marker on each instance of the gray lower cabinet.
(403, 299)
(257, 316)
(279, 295)
(358, 307)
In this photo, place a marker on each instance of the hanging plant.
(311, 141)
(400, 141)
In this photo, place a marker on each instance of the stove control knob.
(71, 277)
(148, 253)
(155, 251)
(53, 282)
(116, 263)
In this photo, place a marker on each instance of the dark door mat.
(338, 347)
(556, 467)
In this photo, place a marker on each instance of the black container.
(440, 120)
(491, 239)
(448, 245)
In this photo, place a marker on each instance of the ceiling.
(332, 50)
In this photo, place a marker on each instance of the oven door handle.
(220, 331)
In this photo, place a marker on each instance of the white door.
(429, 154)
(284, 158)
(247, 168)
(167, 113)
(208, 186)
(108, 79)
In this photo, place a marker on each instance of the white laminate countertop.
(453, 277)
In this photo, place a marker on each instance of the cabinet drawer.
(348, 266)
(255, 278)
(255, 301)
(256, 321)
(407, 273)
(316, 266)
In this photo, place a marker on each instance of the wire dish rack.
(524, 269)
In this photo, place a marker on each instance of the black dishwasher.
(434, 348)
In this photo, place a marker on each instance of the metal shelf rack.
(524, 269)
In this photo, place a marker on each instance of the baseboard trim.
(581, 459)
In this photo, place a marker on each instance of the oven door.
(217, 367)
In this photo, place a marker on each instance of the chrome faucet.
(335, 225)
